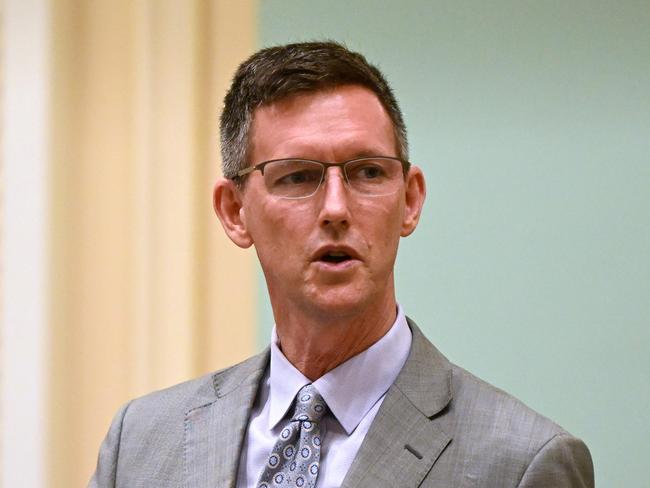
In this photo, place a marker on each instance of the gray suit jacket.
(439, 426)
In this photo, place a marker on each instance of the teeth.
(337, 254)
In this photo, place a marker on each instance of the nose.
(334, 209)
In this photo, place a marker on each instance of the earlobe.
(227, 202)
(415, 194)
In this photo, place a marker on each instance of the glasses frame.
(406, 165)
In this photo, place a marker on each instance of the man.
(350, 393)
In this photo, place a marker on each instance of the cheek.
(384, 214)
(276, 229)
(381, 222)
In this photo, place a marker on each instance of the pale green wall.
(531, 266)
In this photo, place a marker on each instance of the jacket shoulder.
(145, 440)
(184, 397)
(491, 406)
(500, 438)
(495, 439)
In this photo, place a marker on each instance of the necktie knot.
(309, 405)
(295, 458)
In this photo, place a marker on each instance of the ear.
(416, 191)
(227, 202)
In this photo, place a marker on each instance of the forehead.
(345, 121)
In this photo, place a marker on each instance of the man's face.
(331, 253)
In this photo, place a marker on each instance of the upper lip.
(323, 250)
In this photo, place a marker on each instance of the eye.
(299, 177)
(366, 170)
(371, 172)
(292, 178)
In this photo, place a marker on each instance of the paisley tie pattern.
(295, 459)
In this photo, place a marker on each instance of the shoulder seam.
(119, 439)
(541, 448)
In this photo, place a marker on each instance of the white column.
(23, 339)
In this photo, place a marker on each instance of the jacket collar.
(426, 377)
(405, 440)
(215, 427)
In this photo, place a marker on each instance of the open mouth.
(335, 257)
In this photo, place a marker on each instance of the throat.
(317, 351)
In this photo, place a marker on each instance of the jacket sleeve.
(106, 471)
(563, 462)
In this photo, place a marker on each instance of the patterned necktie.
(295, 458)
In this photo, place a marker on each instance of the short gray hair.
(278, 72)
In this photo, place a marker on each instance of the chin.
(339, 302)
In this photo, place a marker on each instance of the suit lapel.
(404, 441)
(214, 431)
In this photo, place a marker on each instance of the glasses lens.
(293, 178)
(375, 176)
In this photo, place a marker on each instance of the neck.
(318, 343)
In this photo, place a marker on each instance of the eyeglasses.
(301, 178)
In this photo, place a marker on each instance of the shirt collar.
(353, 387)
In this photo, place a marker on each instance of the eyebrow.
(365, 153)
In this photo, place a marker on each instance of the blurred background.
(531, 120)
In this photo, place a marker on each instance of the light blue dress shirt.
(353, 391)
